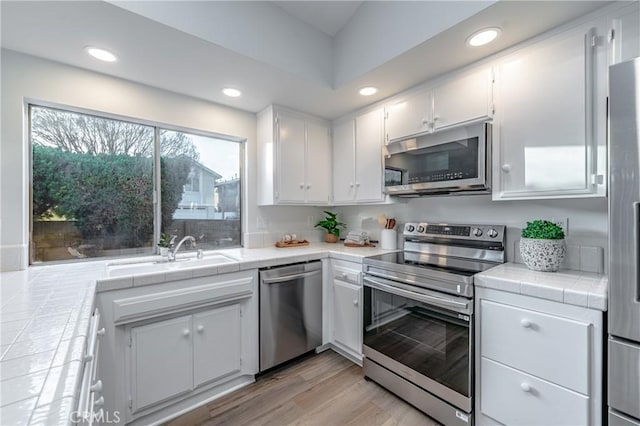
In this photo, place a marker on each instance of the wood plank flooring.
(322, 390)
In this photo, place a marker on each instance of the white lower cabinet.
(175, 345)
(161, 361)
(346, 318)
(538, 362)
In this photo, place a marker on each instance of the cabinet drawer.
(550, 347)
(346, 274)
(514, 398)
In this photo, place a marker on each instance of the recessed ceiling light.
(231, 92)
(368, 91)
(101, 54)
(482, 37)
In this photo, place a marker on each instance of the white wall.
(28, 77)
(587, 217)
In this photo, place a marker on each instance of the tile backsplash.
(578, 257)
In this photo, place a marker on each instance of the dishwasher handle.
(286, 278)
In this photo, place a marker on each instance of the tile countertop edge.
(584, 289)
(37, 295)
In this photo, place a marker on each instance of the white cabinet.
(357, 159)
(346, 293)
(294, 158)
(162, 361)
(217, 343)
(625, 34)
(537, 361)
(549, 137)
(464, 99)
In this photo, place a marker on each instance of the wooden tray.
(294, 243)
(358, 245)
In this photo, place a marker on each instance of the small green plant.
(166, 240)
(331, 224)
(543, 229)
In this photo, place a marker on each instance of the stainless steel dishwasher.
(290, 312)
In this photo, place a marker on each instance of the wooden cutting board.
(358, 245)
(294, 243)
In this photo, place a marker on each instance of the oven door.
(421, 335)
(451, 161)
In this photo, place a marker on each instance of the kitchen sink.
(157, 265)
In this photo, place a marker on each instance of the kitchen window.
(93, 181)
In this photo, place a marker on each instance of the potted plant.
(542, 246)
(331, 225)
(165, 243)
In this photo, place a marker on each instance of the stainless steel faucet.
(172, 253)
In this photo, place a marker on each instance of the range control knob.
(477, 232)
(421, 228)
(411, 228)
(492, 233)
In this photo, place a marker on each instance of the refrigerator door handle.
(636, 249)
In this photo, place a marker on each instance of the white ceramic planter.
(542, 255)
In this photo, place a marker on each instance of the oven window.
(433, 343)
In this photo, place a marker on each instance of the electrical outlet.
(562, 222)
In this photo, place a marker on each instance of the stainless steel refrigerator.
(624, 244)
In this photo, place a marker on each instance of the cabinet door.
(626, 38)
(347, 316)
(409, 117)
(464, 99)
(544, 141)
(369, 167)
(217, 344)
(161, 361)
(291, 158)
(343, 159)
(318, 182)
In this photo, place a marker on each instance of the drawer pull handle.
(525, 323)
(99, 402)
(96, 387)
(525, 387)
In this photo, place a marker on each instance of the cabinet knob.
(186, 332)
(506, 168)
(525, 387)
(200, 328)
(525, 323)
(351, 184)
(357, 183)
(99, 402)
(345, 275)
(101, 332)
(96, 387)
(302, 186)
(308, 186)
(87, 358)
(436, 118)
(425, 121)
(355, 302)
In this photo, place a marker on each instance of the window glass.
(92, 192)
(93, 184)
(207, 206)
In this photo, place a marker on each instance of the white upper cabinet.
(357, 159)
(625, 34)
(464, 99)
(294, 158)
(409, 116)
(549, 139)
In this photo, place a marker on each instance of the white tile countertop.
(45, 313)
(577, 288)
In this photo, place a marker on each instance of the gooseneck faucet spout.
(172, 253)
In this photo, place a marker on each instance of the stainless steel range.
(418, 315)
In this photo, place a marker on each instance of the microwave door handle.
(430, 300)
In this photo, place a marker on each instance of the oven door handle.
(441, 302)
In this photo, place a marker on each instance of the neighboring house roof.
(202, 167)
(229, 182)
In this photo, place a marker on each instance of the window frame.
(158, 127)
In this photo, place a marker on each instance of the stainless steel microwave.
(457, 161)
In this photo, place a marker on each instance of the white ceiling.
(197, 61)
(327, 16)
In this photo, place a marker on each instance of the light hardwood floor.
(323, 390)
